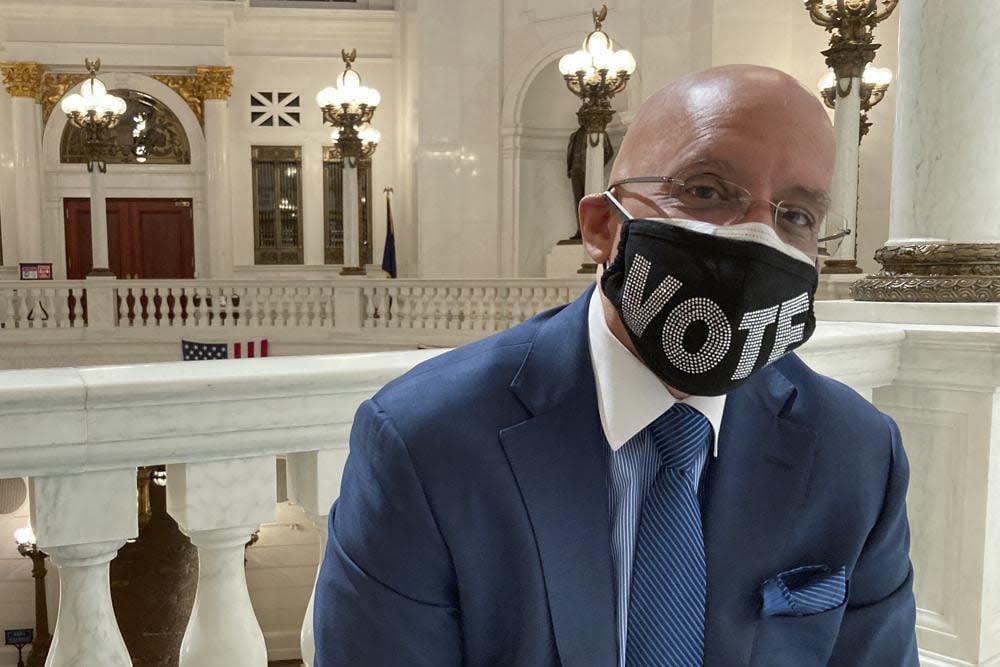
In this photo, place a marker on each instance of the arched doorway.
(147, 237)
(167, 186)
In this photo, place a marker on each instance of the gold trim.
(214, 82)
(23, 79)
(187, 86)
(934, 272)
(54, 87)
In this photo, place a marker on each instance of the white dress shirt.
(629, 398)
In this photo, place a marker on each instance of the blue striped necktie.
(666, 615)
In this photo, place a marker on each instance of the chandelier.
(349, 107)
(94, 111)
(596, 73)
(851, 24)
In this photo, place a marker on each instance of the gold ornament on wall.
(214, 82)
(54, 88)
(23, 79)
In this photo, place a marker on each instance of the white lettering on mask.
(754, 324)
(637, 314)
(787, 334)
(716, 343)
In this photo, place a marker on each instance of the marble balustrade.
(342, 305)
(80, 433)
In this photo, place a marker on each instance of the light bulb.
(335, 134)
(828, 81)
(24, 535)
(93, 88)
(624, 61)
(323, 96)
(349, 79)
(566, 64)
(597, 42)
(72, 103)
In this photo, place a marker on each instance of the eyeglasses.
(708, 198)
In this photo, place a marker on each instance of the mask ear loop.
(617, 205)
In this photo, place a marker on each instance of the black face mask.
(706, 309)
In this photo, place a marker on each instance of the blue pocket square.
(803, 591)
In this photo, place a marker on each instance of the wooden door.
(147, 238)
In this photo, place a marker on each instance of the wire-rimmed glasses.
(709, 198)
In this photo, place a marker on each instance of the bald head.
(764, 106)
(756, 127)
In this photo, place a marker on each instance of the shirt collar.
(629, 395)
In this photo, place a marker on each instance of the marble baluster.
(81, 521)
(219, 504)
(314, 483)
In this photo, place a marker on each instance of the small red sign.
(36, 271)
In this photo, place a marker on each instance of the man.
(646, 476)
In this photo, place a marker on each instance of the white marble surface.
(75, 509)
(223, 630)
(28, 189)
(945, 165)
(844, 189)
(218, 193)
(86, 632)
(215, 495)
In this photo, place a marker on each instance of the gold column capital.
(23, 79)
(214, 82)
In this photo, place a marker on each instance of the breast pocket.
(796, 641)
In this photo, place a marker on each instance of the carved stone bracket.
(23, 79)
(937, 272)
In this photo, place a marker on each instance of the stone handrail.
(80, 434)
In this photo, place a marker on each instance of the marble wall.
(466, 85)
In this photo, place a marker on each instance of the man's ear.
(599, 227)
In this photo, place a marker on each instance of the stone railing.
(441, 305)
(107, 321)
(81, 433)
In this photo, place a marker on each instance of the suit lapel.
(559, 458)
(754, 490)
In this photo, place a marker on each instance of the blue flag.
(389, 252)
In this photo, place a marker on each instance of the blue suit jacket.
(472, 526)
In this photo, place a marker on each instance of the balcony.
(80, 433)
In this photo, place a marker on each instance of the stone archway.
(150, 180)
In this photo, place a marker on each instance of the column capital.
(23, 79)
(214, 82)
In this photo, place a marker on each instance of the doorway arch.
(159, 181)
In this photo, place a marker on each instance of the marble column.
(219, 505)
(24, 83)
(98, 224)
(215, 86)
(844, 189)
(944, 238)
(81, 521)
(352, 220)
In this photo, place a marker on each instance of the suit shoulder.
(836, 410)
(475, 377)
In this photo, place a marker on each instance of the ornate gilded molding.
(23, 79)
(185, 85)
(54, 87)
(214, 82)
(937, 272)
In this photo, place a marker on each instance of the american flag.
(195, 351)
